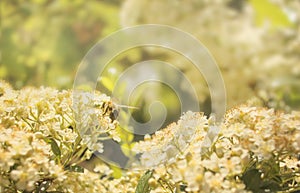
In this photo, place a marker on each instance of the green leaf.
(125, 135)
(267, 11)
(127, 149)
(126, 140)
(117, 171)
(107, 83)
(55, 148)
(75, 168)
(252, 180)
(143, 186)
(271, 185)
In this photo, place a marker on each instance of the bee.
(112, 109)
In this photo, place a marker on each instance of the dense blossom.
(41, 149)
(40, 144)
(249, 139)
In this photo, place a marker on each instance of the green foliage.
(44, 41)
(266, 11)
(143, 186)
(117, 171)
(263, 176)
(55, 148)
(107, 83)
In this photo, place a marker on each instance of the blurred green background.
(43, 41)
(255, 42)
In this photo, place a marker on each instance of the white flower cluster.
(166, 144)
(254, 149)
(93, 118)
(26, 158)
(40, 146)
(249, 140)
